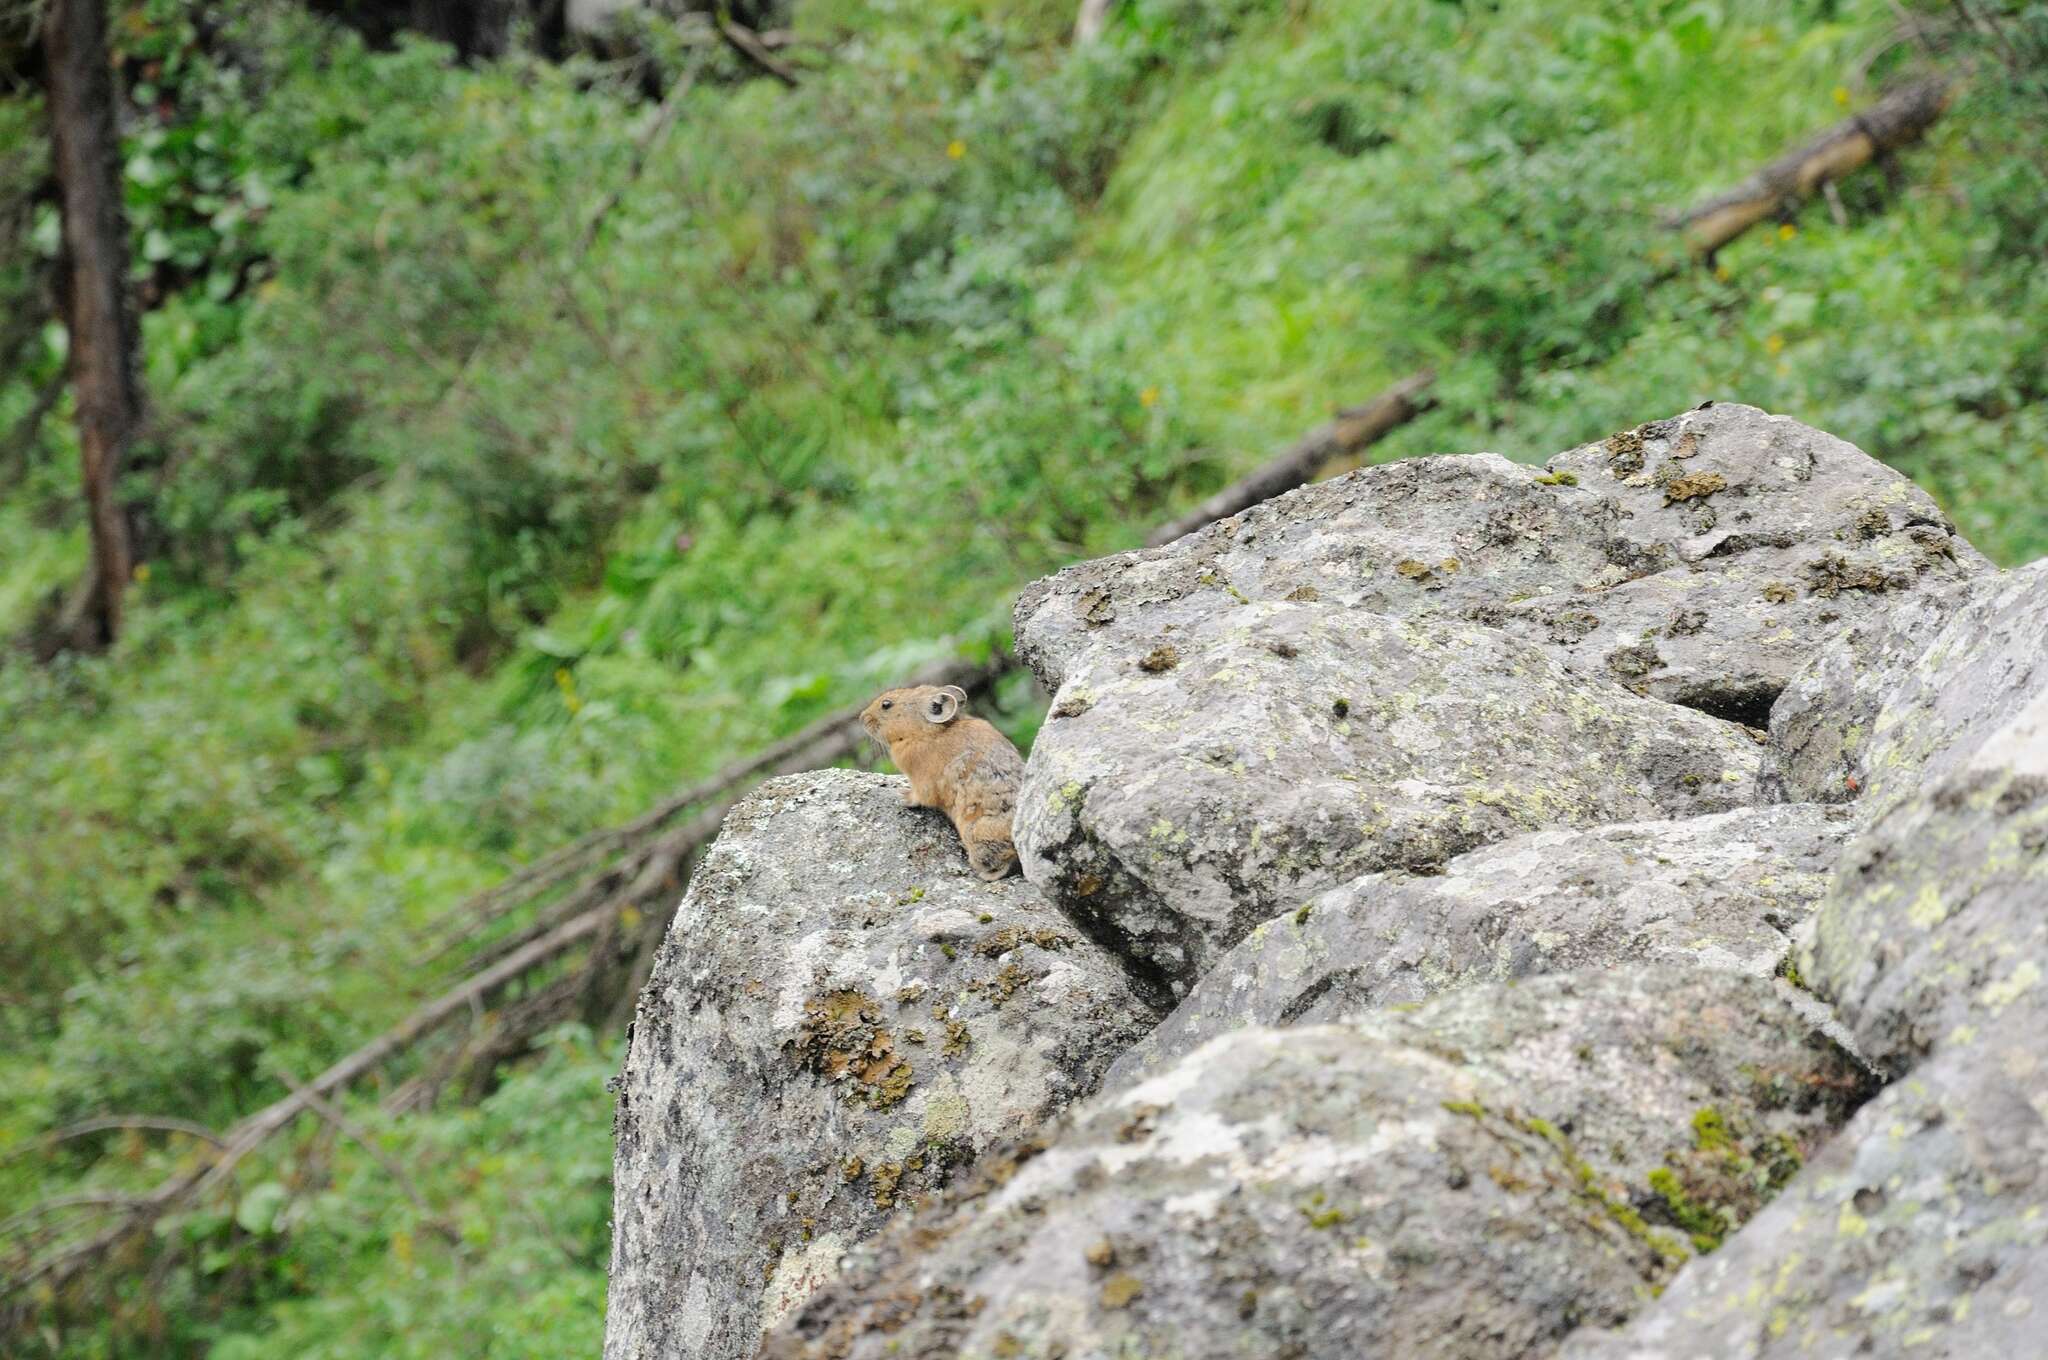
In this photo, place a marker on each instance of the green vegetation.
(495, 489)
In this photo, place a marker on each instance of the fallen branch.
(1895, 120)
(250, 1134)
(1348, 431)
(343, 1125)
(748, 44)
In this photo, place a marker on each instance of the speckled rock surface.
(1936, 928)
(1987, 663)
(1921, 1229)
(841, 1016)
(1470, 1180)
(1173, 802)
(1697, 559)
(1821, 724)
(1721, 892)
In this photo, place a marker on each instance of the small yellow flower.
(1721, 272)
(1842, 95)
(1786, 231)
(1774, 344)
(1149, 398)
(955, 149)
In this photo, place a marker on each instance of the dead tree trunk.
(104, 341)
(1892, 122)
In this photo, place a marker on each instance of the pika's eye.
(888, 704)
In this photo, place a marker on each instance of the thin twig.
(650, 140)
(159, 1123)
(330, 1112)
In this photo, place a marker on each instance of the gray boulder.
(1909, 695)
(1178, 797)
(1724, 891)
(1988, 662)
(842, 1015)
(1922, 1229)
(1821, 723)
(1936, 929)
(1471, 1180)
(1696, 559)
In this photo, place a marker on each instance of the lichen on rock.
(1297, 746)
(1922, 1228)
(1906, 696)
(1470, 1178)
(1775, 534)
(1723, 891)
(841, 1018)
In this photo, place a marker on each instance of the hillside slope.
(518, 459)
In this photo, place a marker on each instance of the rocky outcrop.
(1696, 559)
(842, 1016)
(1475, 1178)
(1723, 891)
(1395, 667)
(1173, 803)
(1922, 1229)
(1504, 974)
(1914, 694)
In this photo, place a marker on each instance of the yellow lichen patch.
(1121, 1290)
(1625, 452)
(1694, 487)
(842, 1039)
(1999, 995)
(1001, 942)
(1927, 909)
(946, 1115)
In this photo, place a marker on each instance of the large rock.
(842, 1015)
(1178, 797)
(1821, 723)
(1472, 1180)
(1922, 1229)
(1696, 559)
(1907, 696)
(1723, 891)
(1936, 929)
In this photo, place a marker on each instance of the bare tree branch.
(749, 45)
(1894, 121)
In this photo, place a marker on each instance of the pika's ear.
(944, 706)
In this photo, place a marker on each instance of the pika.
(957, 764)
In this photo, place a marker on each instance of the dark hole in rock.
(1749, 705)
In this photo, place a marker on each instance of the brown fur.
(961, 766)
